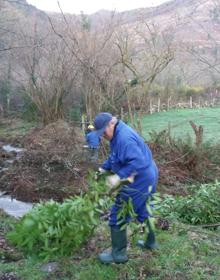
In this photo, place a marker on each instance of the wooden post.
(198, 132)
(213, 101)
(151, 111)
(83, 123)
(168, 103)
(122, 114)
(158, 105)
(139, 125)
(190, 102)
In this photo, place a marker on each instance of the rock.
(8, 276)
(49, 267)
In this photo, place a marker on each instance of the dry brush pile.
(183, 162)
(52, 166)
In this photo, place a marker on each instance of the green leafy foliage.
(58, 229)
(201, 207)
(74, 114)
(54, 229)
(127, 209)
(30, 111)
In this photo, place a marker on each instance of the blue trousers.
(139, 192)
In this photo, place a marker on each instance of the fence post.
(190, 102)
(168, 103)
(122, 114)
(158, 105)
(151, 110)
(213, 102)
(83, 123)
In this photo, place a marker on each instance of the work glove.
(99, 173)
(101, 170)
(114, 181)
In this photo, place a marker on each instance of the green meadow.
(178, 120)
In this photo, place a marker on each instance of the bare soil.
(53, 165)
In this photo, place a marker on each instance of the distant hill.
(191, 20)
(21, 7)
(193, 23)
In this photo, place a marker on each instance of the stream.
(10, 205)
(14, 207)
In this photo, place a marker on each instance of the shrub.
(201, 207)
(56, 229)
(74, 114)
(29, 111)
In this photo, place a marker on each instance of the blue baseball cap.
(101, 121)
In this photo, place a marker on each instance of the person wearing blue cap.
(130, 159)
(93, 141)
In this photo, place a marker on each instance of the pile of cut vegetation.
(55, 137)
(183, 162)
(56, 144)
(53, 165)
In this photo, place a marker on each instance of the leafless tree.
(48, 71)
(93, 49)
(145, 52)
(207, 53)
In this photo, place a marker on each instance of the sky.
(92, 6)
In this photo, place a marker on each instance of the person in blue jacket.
(93, 141)
(130, 159)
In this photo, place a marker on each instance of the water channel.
(10, 205)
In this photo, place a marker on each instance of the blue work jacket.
(130, 155)
(92, 140)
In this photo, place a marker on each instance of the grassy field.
(13, 128)
(186, 253)
(179, 119)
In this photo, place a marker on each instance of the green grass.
(186, 252)
(6, 222)
(12, 128)
(179, 119)
(179, 257)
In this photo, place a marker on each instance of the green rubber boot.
(150, 242)
(119, 248)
